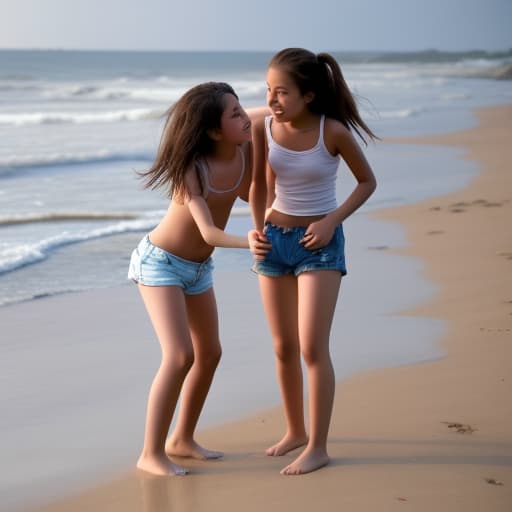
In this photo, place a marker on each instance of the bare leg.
(167, 310)
(204, 329)
(318, 293)
(279, 296)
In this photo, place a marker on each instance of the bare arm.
(256, 113)
(258, 191)
(211, 234)
(258, 188)
(351, 152)
(202, 216)
(345, 145)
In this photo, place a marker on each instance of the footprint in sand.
(494, 329)
(506, 254)
(461, 428)
(435, 232)
(493, 481)
(461, 206)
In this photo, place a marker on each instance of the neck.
(223, 151)
(304, 122)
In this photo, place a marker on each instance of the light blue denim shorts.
(152, 266)
(288, 256)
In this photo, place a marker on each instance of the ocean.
(75, 126)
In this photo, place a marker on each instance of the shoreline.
(388, 432)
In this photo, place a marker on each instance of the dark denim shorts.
(152, 266)
(288, 256)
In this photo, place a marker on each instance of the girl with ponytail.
(298, 149)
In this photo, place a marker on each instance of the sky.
(320, 25)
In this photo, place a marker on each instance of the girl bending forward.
(204, 162)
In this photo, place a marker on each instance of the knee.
(210, 359)
(180, 360)
(286, 350)
(312, 355)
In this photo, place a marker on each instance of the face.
(235, 125)
(284, 97)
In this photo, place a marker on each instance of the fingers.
(313, 241)
(307, 240)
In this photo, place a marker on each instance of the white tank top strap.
(321, 133)
(202, 166)
(268, 121)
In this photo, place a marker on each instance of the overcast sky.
(256, 24)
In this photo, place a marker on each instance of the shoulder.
(194, 186)
(335, 128)
(246, 149)
(258, 125)
(337, 136)
(258, 134)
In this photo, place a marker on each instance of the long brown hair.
(321, 75)
(185, 136)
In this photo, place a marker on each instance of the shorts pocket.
(155, 254)
(134, 269)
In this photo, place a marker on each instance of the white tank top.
(305, 180)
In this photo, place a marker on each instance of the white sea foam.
(30, 118)
(399, 114)
(46, 159)
(20, 255)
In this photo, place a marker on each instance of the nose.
(270, 96)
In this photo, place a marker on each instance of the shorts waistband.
(284, 230)
(198, 264)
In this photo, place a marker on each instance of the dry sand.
(431, 436)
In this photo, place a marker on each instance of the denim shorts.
(288, 256)
(152, 266)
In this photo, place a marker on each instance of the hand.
(318, 234)
(258, 244)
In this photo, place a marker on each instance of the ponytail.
(337, 100)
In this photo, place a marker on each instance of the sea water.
(75, 127)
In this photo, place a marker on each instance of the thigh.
(168, 313)
(203, 322)
(317, 296)
(279, 295)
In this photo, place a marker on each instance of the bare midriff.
(289, 221)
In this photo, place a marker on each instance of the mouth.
(277, 111)
(247, 126)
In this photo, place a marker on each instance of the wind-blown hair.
(321, 75)
(185, 136)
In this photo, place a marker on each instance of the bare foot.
(160, 465)
(287, 444)
(309, 460)
(190, 449)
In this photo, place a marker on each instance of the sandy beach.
(423, 437)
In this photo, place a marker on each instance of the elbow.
(209, 237)
(374, 185)
(371, 185)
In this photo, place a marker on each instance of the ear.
(214, 134)
(309, 97)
